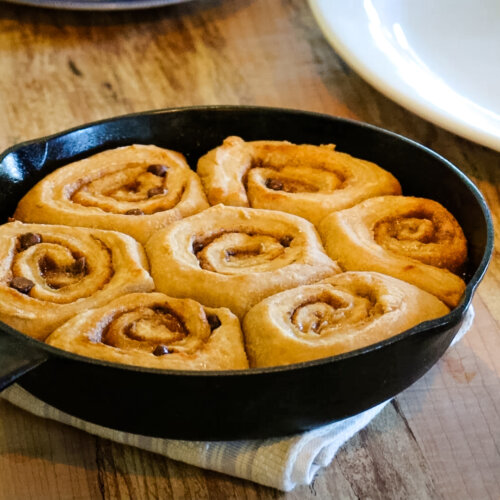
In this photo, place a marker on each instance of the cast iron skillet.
(259, 402)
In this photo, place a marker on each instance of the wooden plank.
(43, 459)
(454, 413)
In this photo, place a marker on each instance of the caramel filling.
(290, 185)
(58, 276)
(159, 330)
(134, 189)
(145, 328)
(57, 268)
(231, 252)
(428, 237)
(326, 312)
(316, 315)
(291, 175)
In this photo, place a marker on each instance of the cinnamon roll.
(49, 273)
(133, 189)
(234, 257)
(305, 180)
(340, 314)
(414, 239)
(151, 329)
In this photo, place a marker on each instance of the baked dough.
(337, 315)
(413, 239)
(305, 180)
(151, 329)
(49, 273)
(234, 257)
(133, 189)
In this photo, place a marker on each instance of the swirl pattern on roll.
(153, 330)
(305, 180)
(413, 239)
(133, 189)
(340, 314)
(234, 257)
(48, 273)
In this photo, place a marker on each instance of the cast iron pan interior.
(259, 402)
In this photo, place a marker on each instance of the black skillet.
(259, 402)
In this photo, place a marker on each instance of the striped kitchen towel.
(282, 463)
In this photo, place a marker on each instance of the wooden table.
(441, 437)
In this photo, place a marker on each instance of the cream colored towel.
(282, 463)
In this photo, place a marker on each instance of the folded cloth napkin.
(282, 463)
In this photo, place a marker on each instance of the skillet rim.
(454, 317)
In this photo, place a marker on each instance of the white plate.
(438, 58)
(96, 4)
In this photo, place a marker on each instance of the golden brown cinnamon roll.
(134, 189)
(413, 239)
(340, 314)
(151, 329)
(234, 257)
(49, 273)
(305, 180)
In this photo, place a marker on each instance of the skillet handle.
(16, 359)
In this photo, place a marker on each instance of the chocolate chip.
(160, 350)
(79, 266)
(27, 240)
(286, 240)
(159, 170)
(156, 190)
(23, 285)
(274, 184)
(197, 246)
(213, 321)
(134, 211)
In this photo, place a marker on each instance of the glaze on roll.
(153, 330)
(133, 189)
(305, 180)
(340, 314)
(413, 239)
(234, 257)
(49, 273)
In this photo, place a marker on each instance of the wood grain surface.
(59, 69)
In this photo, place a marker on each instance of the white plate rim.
(394, 89)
